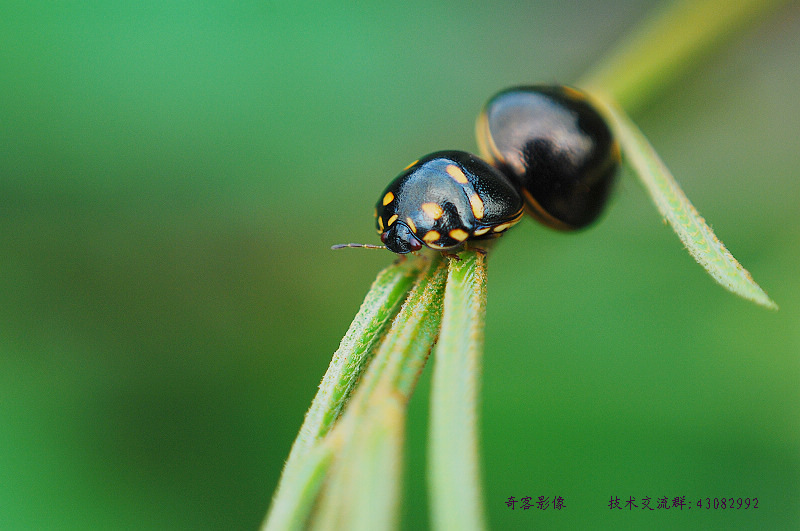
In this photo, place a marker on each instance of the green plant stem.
(382, 302)
(363, 489)
(454, 484)
(669, 43)
(299, 488)
(366, 331)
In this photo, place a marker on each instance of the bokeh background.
(171, 176)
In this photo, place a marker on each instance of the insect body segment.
(556, 148)
(444, 199)
(547, 150)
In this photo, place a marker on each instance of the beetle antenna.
(362, 245)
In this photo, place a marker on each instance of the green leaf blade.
(382, 303)
(295, 498)
(454, 480)
(363, 489)
(675, 207)
(308, 460)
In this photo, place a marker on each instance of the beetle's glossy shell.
(444, 199)
(556, 147)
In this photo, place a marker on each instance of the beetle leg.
(451, 255)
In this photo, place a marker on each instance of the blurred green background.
(171, 176)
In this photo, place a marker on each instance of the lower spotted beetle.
(549, 151)
(444, 199)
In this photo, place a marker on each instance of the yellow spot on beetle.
(458, 235)
(477, 206)
(407, 167)
(502, 227)
(433, 210)
(391, 220)
(481, 232)
(388, 198)
(431, 236)
(456, 173)
(411, 225)
(380, 224)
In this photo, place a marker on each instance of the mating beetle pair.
(549, 153)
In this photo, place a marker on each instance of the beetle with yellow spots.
(444, 199)
(548, 150)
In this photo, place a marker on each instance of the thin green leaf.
(454, 482)
(363, 488)
(696, 235)
(298, 490)
(366, 331)
(382, 302)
